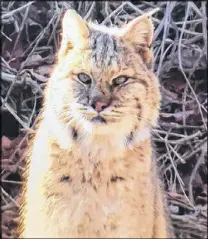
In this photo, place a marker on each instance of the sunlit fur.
(133, 107)
(90, 203)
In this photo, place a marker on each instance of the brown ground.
(30, 37)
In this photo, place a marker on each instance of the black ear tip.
(63, 12)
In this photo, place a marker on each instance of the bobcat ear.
(139, 31)
(74, 31)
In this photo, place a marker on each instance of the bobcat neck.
(96, 197)
(101, 143)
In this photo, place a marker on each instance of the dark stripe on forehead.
(104, 49)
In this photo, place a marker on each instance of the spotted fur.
(89, 178)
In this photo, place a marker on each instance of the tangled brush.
(30, 35)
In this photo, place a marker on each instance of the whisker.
(89, 114)
(69, 123)
(82, 108)
(111, 116)
(63, 113)
(144, 119)
(66, 117)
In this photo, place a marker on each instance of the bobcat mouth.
(99, 119)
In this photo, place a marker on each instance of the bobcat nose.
(99, 105)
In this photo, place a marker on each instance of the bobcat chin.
(91, 169)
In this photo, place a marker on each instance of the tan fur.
(92, 202)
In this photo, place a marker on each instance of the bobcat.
(91, 171)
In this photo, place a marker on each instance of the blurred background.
(30, 38)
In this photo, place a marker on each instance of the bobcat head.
(103, 81)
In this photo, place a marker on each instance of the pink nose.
(99, 106)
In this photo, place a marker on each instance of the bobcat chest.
(101, 204)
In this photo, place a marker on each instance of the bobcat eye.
(84, 78)
(120, 80)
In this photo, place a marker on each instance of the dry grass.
(30, 38)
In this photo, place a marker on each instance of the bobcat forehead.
(104, 49)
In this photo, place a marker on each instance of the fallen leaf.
(34, 60)
(6, 143)
(44, 70)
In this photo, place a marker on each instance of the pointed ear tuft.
(139, 31)
(74, 27)
(74, 31)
